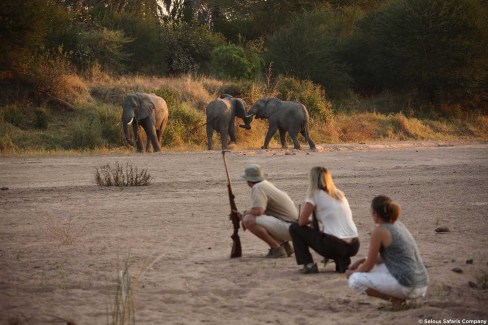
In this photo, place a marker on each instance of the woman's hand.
(354, 266)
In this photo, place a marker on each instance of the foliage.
(234, 62)
(102, 47)
(436, 47)
(146, 53)
(307, 93)
(119, 175)
(86, 133)
(310, 47)
(41, 119)
(189, 47)
(24, 27)
(186, 126)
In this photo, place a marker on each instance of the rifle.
(233, 216)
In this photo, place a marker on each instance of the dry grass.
(66, 233)
(122, 309)
(118, 175)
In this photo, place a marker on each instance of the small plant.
(41, 120)
(67, 233)
(483, 281)
(123, 307)
(118, 175)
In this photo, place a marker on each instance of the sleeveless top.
(402, 257)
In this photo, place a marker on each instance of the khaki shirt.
(274, 201)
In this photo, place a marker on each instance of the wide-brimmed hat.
(254, 173)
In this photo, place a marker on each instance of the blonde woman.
(339, 238)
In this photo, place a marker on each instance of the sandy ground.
(63, 239)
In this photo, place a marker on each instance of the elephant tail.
(305, 128)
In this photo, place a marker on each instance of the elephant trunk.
(127, 120)
(247, 122)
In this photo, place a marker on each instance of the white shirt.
(335, 215)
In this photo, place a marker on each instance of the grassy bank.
(87, 118)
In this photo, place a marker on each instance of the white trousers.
(279, 229)
(380, 279)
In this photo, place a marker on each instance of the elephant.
(221, 114)
(151, 112)
(285, 116)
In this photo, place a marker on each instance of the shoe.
(342, 264)
(276, 252)
(309, 269)
(288, 248)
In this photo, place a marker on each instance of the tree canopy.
(433, 48)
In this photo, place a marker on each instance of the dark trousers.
(328, 246)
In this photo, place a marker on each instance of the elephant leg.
(135, 128)
(283, 139)
(209, 137)
(151, 135)
(271, 131)
(294, 136)
(232, 133)
(161, 130)
(305, 134)
(223, 138)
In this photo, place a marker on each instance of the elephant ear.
(240, 108)
(145, 107)
(272, 104)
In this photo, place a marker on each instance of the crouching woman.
(393, 269)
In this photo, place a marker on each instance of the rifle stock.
(233, 216)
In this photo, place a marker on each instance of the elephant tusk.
(130, 122)
(251, 115)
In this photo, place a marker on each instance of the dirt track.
(177, 235)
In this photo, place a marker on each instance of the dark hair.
(386, 209)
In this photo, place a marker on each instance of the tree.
(435, 47)
(310, 47)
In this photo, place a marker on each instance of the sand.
(64, 240)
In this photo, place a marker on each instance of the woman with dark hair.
(339, 238)
(393, 269)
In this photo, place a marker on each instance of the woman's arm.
(377, 237)
(305, 214)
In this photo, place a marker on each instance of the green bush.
(41, 120)
(234, 62)
(186, 126)
(189, 47)
(435, 47)
(13, 114)
(171, 97)
(104, 47)
(307, 93)
(310, 47)
(111, 128)
(86, 133)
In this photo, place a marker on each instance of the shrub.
(307, 93)
(171, 97)
(310, 48)
(189, 47)
(86, 133)
(41, 120)
(111, 129)
(234, 62)
(435, 47)
(186, 126)
(118, 175)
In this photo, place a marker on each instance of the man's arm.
(254, 211)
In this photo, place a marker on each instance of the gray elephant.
(221, 115)
(150, 112)
(283, 116)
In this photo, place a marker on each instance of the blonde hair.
(321, 179)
